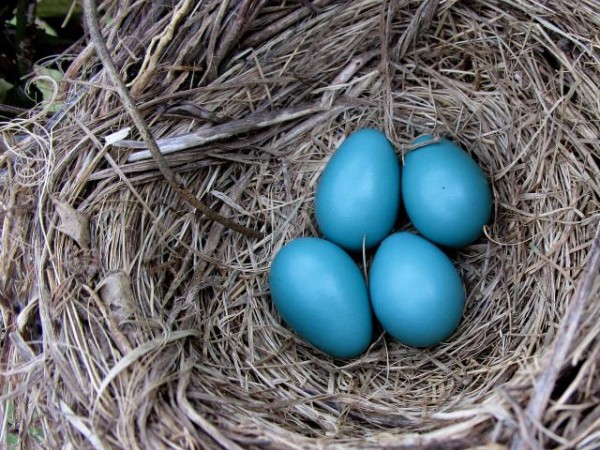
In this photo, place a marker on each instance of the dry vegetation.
(133, 321)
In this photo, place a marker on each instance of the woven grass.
(131, 320)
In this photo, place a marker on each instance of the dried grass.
(161, 333)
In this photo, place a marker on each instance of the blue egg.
(445, 193)
(358, 195)
(416, 293)
(322, 295)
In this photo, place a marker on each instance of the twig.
(223, 131)
(91, 18)
(157, 46)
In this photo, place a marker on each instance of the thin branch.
(157, 46)
(223, 131)
(91, 18)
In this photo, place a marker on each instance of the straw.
(134, 320)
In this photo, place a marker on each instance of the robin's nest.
(135, 299)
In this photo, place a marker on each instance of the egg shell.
(321, 294)
(358, 195)
(446, 194)
(416, 292)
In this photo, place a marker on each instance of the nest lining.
(161, 332)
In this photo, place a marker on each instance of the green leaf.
(43, 25)
(13, 441)
(45, 85)
(37, 433)
(56, 8)
(5, 86)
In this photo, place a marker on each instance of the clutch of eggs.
(414, 291)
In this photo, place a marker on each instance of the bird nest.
(135, 300)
